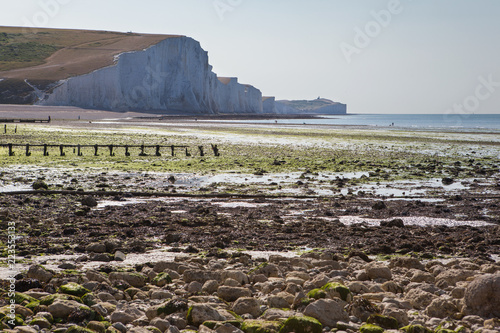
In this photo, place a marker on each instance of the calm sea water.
(416, 121)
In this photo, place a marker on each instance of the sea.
(479, 122)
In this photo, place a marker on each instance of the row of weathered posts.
(77, 149)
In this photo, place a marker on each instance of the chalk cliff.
(173, 75)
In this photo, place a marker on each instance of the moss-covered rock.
(317, 293)
(172, 306)
(416, 329)
(73, 289)
(162, 279)
(444, 330)
(335, 289)
(11, 322)
(301, 325)
(383, 321)
(260, 326)
(89, 299)
(78, 329)
(40, 322)
(33, 305)
(153, 329)
(21, 298)
(96, 326)
(48, 300)
(370, 328)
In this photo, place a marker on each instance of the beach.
(313, 203)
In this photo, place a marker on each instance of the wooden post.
(28, 150)
(187, 152)
(111, 150)
(61, 150)
(172, 147)
(201, 150)
(142, 151)
(79, 149)
(15, 129)
(5, 129)
(11, 152)
(45, 151)
(126, 151)
(96, 148)
(158, 150)
(216, 150)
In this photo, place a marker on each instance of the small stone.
(248, 305)
(327, 311)
(39, 273)
(89, 201)
(120, 256)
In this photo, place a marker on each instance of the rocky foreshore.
(319, 291)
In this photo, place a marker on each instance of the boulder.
(302, 324)
(63, 308)
(377, 271)
(73, 289)
(201, 276)
(482, 296)
(248, 305)
(199, 313)
(137, 280)
(231, 294)
(96, 247)
(39, 273)
(125, 314)
(452, 276)
(441, 308)
(419, 298)
(327, 311)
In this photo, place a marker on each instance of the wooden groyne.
(24, 120)
(143, 150)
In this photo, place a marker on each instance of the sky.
(377, 56)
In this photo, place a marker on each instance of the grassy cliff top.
(54, 54)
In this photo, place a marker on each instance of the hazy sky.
(390, 56)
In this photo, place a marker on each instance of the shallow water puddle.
(422, 221)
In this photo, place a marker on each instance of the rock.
(335, 289)
(269, 270)
(248, 305)
(194, 287)
(201, 276)
(277, 302)
(63, 308)
(73, 289)
(39, 273)
(120, 256)
(327, 311)
(260, 326)
(420, 276)
(162, 279)
(137, 280)
(377, 271)
(104, 257)
(97, 276)
(239, 276)
(379, 205)
(441, 308)
(89, 201)
(39, 184)
(383, 321)
(25, 329)
(228, 328)
(276, 314)
(406, 262)
(301, 325)
(231, 294)
(40, 322)
(317, 282)
(126, 314)
(482, 296)
(452, 276)
(199, 313)
(419, 299)
(161, 324)
(96, 248)
(231, 283)
(396, 223)
(370, 328)
(96, 326)
(399, 314)
(210, 286)
(392, 287)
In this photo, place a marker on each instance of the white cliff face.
(173, 75)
